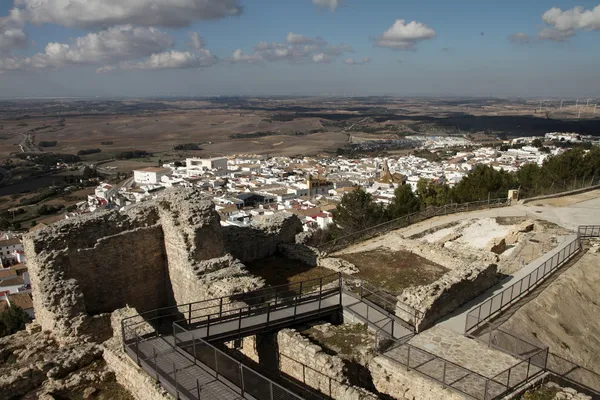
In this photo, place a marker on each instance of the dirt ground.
(277, 270)
(394, 270)
(567, 200)
(161, 131)
(349, 341)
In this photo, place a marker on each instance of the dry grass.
(343, 340)
(277, 270)
(394, 270)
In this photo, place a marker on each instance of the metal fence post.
(156, 365)
(408, 360)
(216, 363)
(176, 386)
(242, 379)
(137, 348)
(190, 313)
(220, 307)
(485, 390)
(194, 347)
(198, 388)
(271, 387)
(444, 376)
(508, 379)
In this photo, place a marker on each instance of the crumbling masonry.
(163, 252)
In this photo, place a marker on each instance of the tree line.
(357, 210)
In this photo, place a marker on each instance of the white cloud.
(238, 56)
(296, 38)
(115, 44)
(331, 4)
(350, 61)
(404, 36)
(299, 49)
(103, 13)
(555, 34)
(519, 38)
(196, 41)
(321, 58)
(11, 63)
(565, 24)
(174, 60)
(102, 70)
(12, 36)
(573, 19)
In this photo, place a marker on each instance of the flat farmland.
(161, 131)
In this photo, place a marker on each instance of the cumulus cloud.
(238, 56)
(119, 43)
(297, 49)
(564, 24)
(573, 19)
(196, 42)
(321, 58)
(331, 4)
(103, 70)
(555, 35)
(519, 38)
(351, 61)
(404, 36)
(174, 60)
(12, 36)
(102, 13)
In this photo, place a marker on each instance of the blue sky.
(431, 48)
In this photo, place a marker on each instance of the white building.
(150, 175)
(9, 248)
(105, 191)
(198, 166)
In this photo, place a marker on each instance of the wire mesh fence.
(492, 306)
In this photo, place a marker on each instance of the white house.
(150, 175)
(9, 248)
(197, 166)
(105, 191)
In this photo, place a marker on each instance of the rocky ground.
(552, 391)
(34, 366)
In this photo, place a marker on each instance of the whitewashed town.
(245, 187)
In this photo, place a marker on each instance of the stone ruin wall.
(308, 363)
(261, 240)
(392, 379)
(443, 296)
(158, 253)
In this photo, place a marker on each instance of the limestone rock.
(261, 239)
(497, 245)
(441, 297)
(338, 265)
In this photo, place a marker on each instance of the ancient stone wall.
(446, 294)
(103, 282)
(391, 378)
(162, 252)
(261, 240)
(77, 274)
(309, 364)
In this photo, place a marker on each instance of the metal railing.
(229, 370)
(589, 231)
(227, 306)
(515, 376)
(573, 373)
(497, 303)
(406, 220)
(388, 302)
(445, 372)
